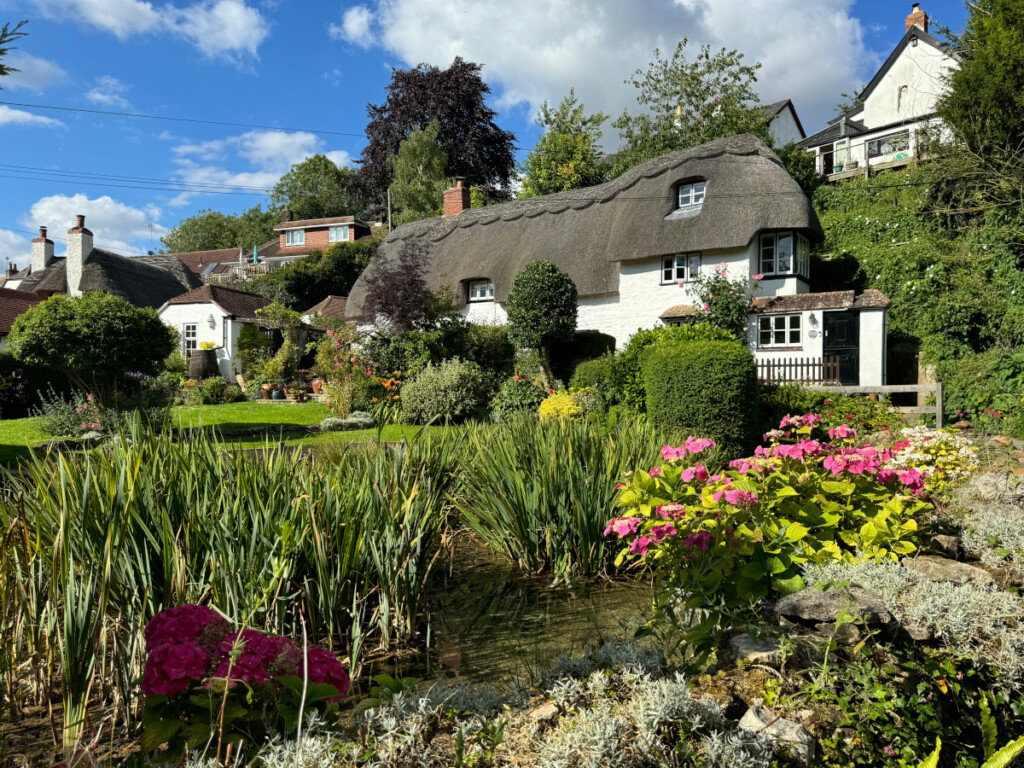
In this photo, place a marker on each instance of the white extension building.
(898, 104)
(634, 245)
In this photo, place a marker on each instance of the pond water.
(487, 623)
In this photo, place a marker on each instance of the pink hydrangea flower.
(668, 453)
(697, 472)
(700, 540)
(172, 666)
(914, 481)
(654, 472)
(843, 431)
(623, 526)
(741, 498)
(671, 511)
(640, 545)
(698, 445)
(181, 624)
(324, 667)
(252, 664)
(886, 476)
(659, 532)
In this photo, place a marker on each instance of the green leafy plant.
(519, 394)
(449, 392)
(542, 309)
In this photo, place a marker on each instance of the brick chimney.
(79, 248)
(42, 252)
(12, 270)
(456, 200)
(917, 18)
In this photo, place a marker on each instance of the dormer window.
(691, 194)
(785, 253)
(481, 290)
(295, 237)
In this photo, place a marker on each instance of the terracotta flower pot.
(318, 386)
(265, 390)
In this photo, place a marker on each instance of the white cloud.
(538, 49)
(268, 155)
(354, 27)
(227, 29)
(14, 248)
(115, 226)
(34, 74)
(11, 116)
(109, 92)
(333, 76)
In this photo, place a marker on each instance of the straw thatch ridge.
(587, 231)
(145, 281)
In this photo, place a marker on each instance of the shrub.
(254, 349)
(355, 420)
(232, 394)
(560, 406)
(859, 411)
(211, 390)
(24, 386)
(595, 373)
(582, 346)
(708, 388)
(489, 347)
(448, 392)
(542, 309)
(626, 377)
(63, 417)
(944, 458)
(518, 394)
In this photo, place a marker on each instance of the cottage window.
(295, 237)
(785, 253)
(691, 195)
(189, 333)
(481, 290)
(683, 267)
(774, 331)
(338, 234)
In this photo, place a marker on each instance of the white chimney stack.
(79, 248)
(42, 252)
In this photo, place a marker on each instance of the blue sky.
(313, 66)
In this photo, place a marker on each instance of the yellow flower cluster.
(560, 405)
(944, 458)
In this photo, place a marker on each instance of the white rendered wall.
(223, 333)
(784, 128)
(922, 70)
(485, 313)
(872, 347)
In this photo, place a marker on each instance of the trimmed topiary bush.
(566, 356)
(707, 388)
(626, 379)
(449, 392)
(595, 373)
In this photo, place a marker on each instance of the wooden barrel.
(203, 364)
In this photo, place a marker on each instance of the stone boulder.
(991, 486)
(766, 651)
(785, 733)
(815, 606)
(961, 426)
(941, 569)
(948, 544)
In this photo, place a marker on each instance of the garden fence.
(803, 370)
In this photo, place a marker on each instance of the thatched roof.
(145, 281)
(586, 232)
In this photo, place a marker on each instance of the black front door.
(842, 337)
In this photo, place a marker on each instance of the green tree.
(255, 227)
(308, 281)
(984, 104)
(687, 103)
(848, 102)
(96, 338)
(313, 189)
(542, 307)
(567, 155)
(417, 191)
(800, 164)
(8, 35)
(203, 231)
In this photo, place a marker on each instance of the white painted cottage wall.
(922, 69)
(224, 333)
(784, 128)
(872, 347)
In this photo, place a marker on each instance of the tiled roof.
(304, 223)
(234, 302)
(12, 304)
(332, 306)
(198, 261)
(804, 302)
(833, 133)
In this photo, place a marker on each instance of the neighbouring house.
(784, 123)
(331, 308)
(9, 273)
(897, 107)
(213, 313)
(295, 241)
(12, 304)
(634, 246)
(145, 281)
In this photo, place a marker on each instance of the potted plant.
(318, 385)
(265, 389)
(296, 389)
(277, 393)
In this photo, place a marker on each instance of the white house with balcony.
(635, 245)
(897, 107)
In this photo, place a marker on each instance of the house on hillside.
(634, 246)
(12, 304)
(145, 281)
(896, 106)
(784, 123)
(213, 313)
(331, 308)
(295, 241)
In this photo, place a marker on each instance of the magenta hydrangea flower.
(654, 472)
(623, 526)
(741, 498)
(698, 445)
(171, 667)
(843, 431)
(659, 532)
(252, 666)
(700, 540)
(697, 472)
(324, 667)
(914, 481)
(640, 545)
(181, 624)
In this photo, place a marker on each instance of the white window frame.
(790, 326)
(691, 194)
(333, 233)
(189, 339)
(486, 294)
(799, 254)
(294, 237)
(680, 267)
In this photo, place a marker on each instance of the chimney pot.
(79, 220)
(917, 18)
(456, 200)
(42, 232)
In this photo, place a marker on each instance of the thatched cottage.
(634, 245)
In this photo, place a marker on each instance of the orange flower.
(375, 399)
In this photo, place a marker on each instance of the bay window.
(784, 253)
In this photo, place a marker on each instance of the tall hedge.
(708, 388)
(626, 378)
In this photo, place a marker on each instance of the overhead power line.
(119, 177)
(135, 251)
(178, 119)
